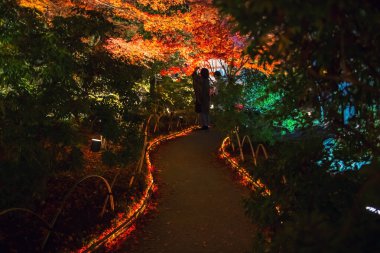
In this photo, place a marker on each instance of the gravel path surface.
(200, 207)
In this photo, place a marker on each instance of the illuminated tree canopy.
(151, 31)
(301, 77)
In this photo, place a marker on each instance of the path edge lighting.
(125, 225)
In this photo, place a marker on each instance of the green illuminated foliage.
(51, 78)
(328, 54)
(259, 94)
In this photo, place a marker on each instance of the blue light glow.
(330, 145)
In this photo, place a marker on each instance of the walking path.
(200, 208)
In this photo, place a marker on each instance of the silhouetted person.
(218, 80)
(205, 98)
(219, 90)
(197, 90)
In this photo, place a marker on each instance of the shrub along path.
(200, 208)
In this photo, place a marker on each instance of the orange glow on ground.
(123, 224)
(246, 178)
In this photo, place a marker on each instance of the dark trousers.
(204, 119)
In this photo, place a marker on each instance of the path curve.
(200, 208)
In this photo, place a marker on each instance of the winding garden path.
(200, 208)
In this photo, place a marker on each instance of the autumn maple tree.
(72, 70)
(79, 64)
(157, 31)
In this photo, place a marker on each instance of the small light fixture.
(95, 145)
(373, 210)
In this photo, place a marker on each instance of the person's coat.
(205, 95)
(197, 86)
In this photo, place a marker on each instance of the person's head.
(217, 73)
(205, 73)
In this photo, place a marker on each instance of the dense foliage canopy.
(301, 76)
(327, 86)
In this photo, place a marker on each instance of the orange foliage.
(132, 51)
(196, 35)
(40, 5)
(161, 5)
